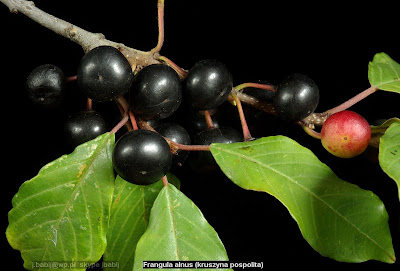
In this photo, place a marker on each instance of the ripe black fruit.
(207, 85)
(204, 162)
(104, 74)
(142, 157)
(297, 97)
(156, 92)
(178, 134)
(46, 85)
(84, 126)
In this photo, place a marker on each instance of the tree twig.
(84, 38)
(254, 102)
(138, 59)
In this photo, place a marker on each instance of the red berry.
(345, 134)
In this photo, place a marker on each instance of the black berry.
(46, 85)
(297, 97)
(156, 92)
(84, 126)
(178, 134)
(207, 85)
(142, 157)
(104, 74)
(204, 162)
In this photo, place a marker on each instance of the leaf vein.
(82, 177)
(288, 178)
(172, 222)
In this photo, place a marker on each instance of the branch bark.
(254, 102)
(84, 38)
(138, 59)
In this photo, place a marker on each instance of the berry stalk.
(89, 104)
(208, 118)
(133, 120)
(246, 132)
(165, 180)
(120, 124)
(312, 132)
(255, 85)
(71, 79)
(124, 109)
(174, 145)
(181, 72)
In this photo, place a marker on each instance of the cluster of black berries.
(155, 93)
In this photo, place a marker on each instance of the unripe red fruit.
(345, 134)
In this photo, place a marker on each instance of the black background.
(257, 40)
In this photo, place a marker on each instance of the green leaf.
(384, 73)
(382, 128)
(178, 231)
(130, 213)
(389, 153)
(338, 219)
(62, 214)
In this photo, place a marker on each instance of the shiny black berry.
(142, 157)
(156, 92)
(104, 74)
(46, 85)
(178, 134)
(84, 126)
(296, 97)
(204, 162)
(207, 85)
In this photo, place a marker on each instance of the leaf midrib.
(383, 150)
(77, 186)
(172, 220)
(387, 62)
(310, 192)
(381, 83)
